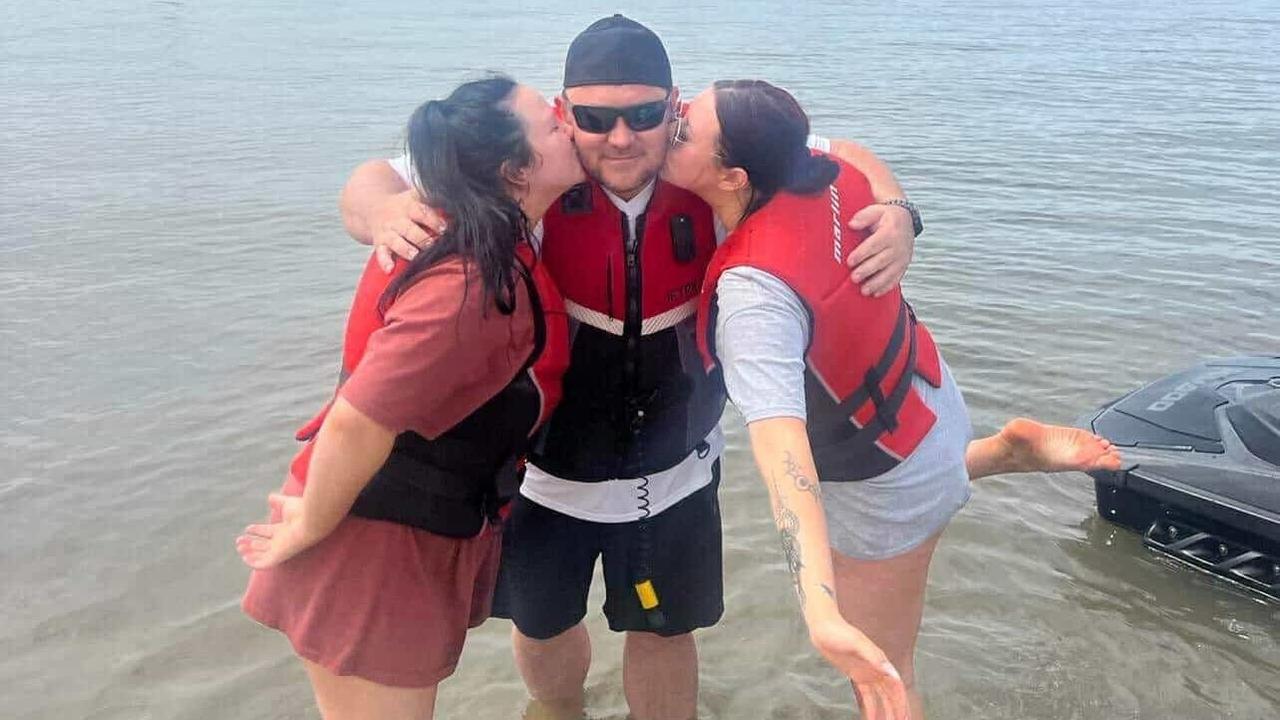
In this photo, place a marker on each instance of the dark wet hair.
(460, 148)
(764, 131)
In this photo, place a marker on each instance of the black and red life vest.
(864, 415)
(451, 484)
(636, 399)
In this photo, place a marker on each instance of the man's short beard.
(626, 193)
(595, 177)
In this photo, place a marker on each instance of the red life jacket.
(864, 416)
(636, 400)
(451, 484)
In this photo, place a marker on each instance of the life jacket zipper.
(633, 320)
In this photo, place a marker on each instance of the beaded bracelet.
(917, 225)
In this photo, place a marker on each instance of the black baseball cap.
(617, 51)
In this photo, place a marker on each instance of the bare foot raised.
(1029, 446)
(1025, 445)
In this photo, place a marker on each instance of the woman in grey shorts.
(804, 352)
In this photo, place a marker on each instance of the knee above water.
(648, 639)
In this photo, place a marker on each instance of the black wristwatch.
(917, 225)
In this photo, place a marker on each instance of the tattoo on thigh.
(802, 482)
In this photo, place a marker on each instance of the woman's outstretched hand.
(269, 544)
(880, 689)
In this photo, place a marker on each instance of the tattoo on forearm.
(789, 529)
(802, 482)
(826, 589)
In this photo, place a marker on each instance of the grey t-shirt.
(762, 334)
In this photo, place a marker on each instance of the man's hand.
(880, 261)
(402, 225)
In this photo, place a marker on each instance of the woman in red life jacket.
(836, 386)
(383, 545)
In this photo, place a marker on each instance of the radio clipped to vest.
(683, 244)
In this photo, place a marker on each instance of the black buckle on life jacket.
(886, 407)
(886, 417)
(872, 378)
(871, 386)
(506, 482)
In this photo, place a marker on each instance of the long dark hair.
(764, 131)
(460, 148)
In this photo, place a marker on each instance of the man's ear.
(560, 105)
(733, 179)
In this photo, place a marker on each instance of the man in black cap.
(628, 467)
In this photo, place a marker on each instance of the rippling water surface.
(1099, 183)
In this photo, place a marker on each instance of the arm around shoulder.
(880, 261)
(884, 186)
(371, 184)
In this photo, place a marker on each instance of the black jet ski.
(1201, 480)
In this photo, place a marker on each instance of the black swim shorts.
(548, 560)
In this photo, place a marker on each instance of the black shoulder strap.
(539, 318)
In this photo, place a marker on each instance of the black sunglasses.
(598, 119)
